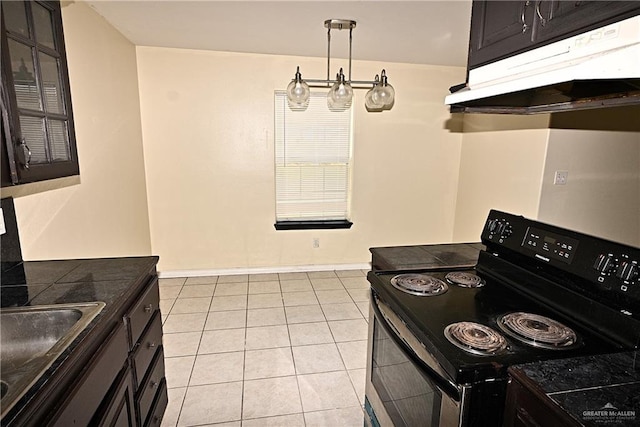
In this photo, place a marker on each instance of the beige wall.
(602, 194)
(509, 163)
(501, 167)
(207, 120)
(104, 212)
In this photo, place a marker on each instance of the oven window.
(409, 398)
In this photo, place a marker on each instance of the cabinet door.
(558, 19)
(88, 394)
(499, 29)
(117, 409)
(527, 406)
(40, 139)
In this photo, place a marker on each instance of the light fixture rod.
(328, 50)
(350, 41)
(356, 84)
(339, 24)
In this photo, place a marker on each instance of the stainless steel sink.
(32, 338)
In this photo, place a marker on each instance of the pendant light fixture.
(340, 94)
(298, 91)
(380, 97)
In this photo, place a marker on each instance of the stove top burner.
(538, 331)
(419, 284)
(475, 338)
(465, 280)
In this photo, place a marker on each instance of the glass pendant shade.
(341, 93)
(369, 102)
(298, 91)
(383, 94)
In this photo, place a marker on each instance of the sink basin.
(32, 338)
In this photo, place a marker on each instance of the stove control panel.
(606, 269)
(498, 229)
(550, 245)
(617, 270)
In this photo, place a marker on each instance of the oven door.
(402, 389)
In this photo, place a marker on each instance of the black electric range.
(427, 318)
(574, 294)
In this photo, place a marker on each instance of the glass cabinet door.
(36, 85)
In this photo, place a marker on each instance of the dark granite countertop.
(417, 257)
(114, 281)
(595, 390)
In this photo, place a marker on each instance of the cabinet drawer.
(97, 378)
(147, 391)
(142, 312)
(149, 343)
(162, 400)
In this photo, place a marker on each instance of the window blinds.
(313, 160)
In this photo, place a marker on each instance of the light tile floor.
(283, 349)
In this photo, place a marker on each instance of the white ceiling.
(418, 32)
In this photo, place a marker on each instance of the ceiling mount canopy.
(380, 96)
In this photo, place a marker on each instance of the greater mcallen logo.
(607, 414)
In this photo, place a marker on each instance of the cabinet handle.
(543, 21)
(148, 308)
(26, 153)
(153, 384)
(151, 345)
(525, 27)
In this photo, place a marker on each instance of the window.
(313, 165)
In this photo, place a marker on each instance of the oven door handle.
(399, 338)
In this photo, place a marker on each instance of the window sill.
(312, 225)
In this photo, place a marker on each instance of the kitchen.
(176, 158)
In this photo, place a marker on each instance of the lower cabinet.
(148, 359)
(528, 406)
(147, 356)
(88, 395)
(124, 383)
(150, 389)
(117, 409)
(157, 411)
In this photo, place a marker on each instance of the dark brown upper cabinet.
(38, 136)
(500, 29)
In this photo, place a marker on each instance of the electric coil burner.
(538, 292)
(464, 279)
(538, 331)
(419, 284)
(475, 338)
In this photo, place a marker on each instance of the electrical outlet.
(561, 178)
(316, 242)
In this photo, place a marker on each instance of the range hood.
(595, 69)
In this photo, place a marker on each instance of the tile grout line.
(244, 354)
(295, 370)
(195, 357)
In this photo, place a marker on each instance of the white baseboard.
(261, 270)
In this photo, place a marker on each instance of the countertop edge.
(49, 396)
